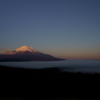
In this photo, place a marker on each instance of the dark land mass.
(47, 83)
(27, 57)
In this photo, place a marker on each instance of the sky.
(67, 29)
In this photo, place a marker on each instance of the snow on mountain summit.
(26, 48)
(21, 49)
(26, 53)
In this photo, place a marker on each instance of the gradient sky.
(62, 28)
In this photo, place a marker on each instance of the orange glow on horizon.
(72, 53)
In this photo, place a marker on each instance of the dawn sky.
(62, 28)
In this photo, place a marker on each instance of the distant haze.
(87, 66)
(67, 29)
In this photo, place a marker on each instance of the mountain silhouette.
(26, 53)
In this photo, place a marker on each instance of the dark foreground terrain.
(47, 83)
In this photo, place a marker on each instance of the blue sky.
(62, 28)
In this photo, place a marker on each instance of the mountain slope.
(26, 53)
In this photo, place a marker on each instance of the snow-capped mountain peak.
(26, 53)
(22, 50)
(25, 48)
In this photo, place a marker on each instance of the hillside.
(47, 83)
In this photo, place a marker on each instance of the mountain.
(26, 53)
